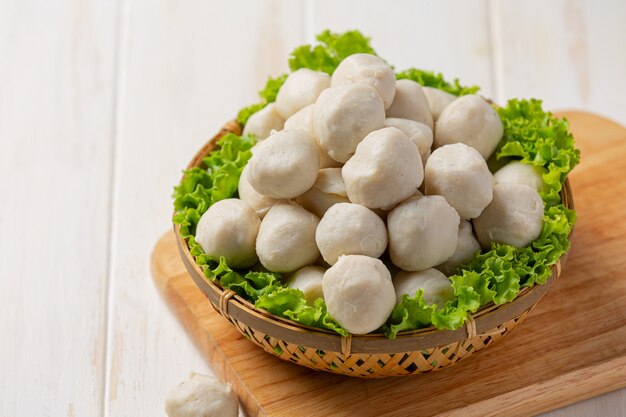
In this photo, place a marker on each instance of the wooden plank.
(571, 347)
(571, 54)
(568, 56)
(451, 37)
(185, 68)
(56, 116)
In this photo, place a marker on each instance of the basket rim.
(233, 306)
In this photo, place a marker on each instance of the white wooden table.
(103, 102)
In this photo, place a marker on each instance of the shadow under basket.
(371, 355)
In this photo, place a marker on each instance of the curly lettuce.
(332, 48)
(531, 135)
(537, 138)
(534, 137)
(436, 80)
(216, 180)
(268, 95)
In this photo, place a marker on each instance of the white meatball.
(367, 69)
(472, 121)
(436, 286)
(304, 120)
(385, 170)
(285, 165)
(460, 174)
(328, 190)
(309, 281)
(202, 395)
(263, 122)
(229, 228)
(301, 88)
(514, 216)
(438, 100)
(521, 173)
(420, 134)
(423, 232)
(466, 248)
(359, 293)
(259, 203)
(286, 239)
(410, 103)
(344, 115)
(350, 229)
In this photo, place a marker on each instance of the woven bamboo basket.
(371, 355)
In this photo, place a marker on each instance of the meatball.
(521, 173)
(466, 248)
(304, 120)
(436, 287)
(202, 395)
(301, 88)
(370, 70)
(285, 165)
(472, 121)
(286, 240)
(350, 229)
(229, 228)
(359, 293)
(309, 281)
(438, 100)
(423, 232)
(460, 174)
(344, 115)
(262, 123)
(328, 190)
(410, 103)
(420, 134)
(514, 216)
(385, 170)
(260, 203)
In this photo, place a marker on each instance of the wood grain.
(571, 347)
(566, 54)
(451, 37)
(56, 127)
(184, 67)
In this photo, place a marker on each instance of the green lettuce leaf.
(531, 135)
(333, 48)
(250, 285)
(226, 164)
(290, 303)
(216, 180)
(436, 80)
(268, 95)
(536, 137)
(411, 313)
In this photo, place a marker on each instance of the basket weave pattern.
(365, 356)
(375, 365)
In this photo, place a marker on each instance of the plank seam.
(308, 20)
(494, 32)
(121, 34)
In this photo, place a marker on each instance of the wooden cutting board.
(571, 347)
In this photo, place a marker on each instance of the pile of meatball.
(363, 188)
